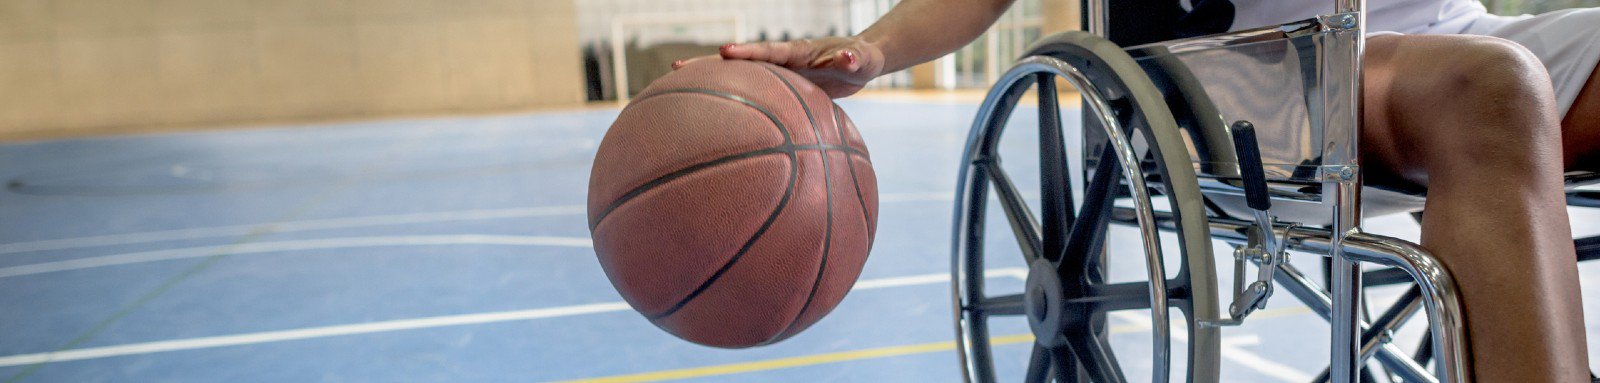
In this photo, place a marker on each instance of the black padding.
(1137, 22)
(1208, 17)
(1250, 169)
(1588, 248)
(1583, 198)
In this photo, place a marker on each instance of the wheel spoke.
(1025, 228)
(1002, 305)
(1054, 183)
(1096, 357)
(1115, 296)
(1424, 353)
(1063, 365)
(1038, 365)
(1088, 231)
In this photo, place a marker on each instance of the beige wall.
(1060, 15)
(107, 64)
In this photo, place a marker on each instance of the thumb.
(847, 60)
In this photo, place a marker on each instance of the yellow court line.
(809, 360)
(798, 361)
(845, 356)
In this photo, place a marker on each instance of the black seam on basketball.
(788, 191)
(784, 130)
(788, 145)
(827, 189)
(669, 177)
(641, 189)
(794, 177)
(850, 164)
(843, 149)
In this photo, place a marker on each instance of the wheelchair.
(1180, 136)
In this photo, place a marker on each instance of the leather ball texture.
(732, 203)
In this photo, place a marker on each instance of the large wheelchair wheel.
(1066, 296)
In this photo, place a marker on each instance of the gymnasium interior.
(395, 191)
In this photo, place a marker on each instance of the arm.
(918, 31)
(913, 32)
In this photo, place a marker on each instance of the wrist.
(881, 46)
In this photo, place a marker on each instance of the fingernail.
(678, 63)
(726, 47)
(850, 57)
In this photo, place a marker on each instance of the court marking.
(1231, 350)
(282, 227)
(306, 333)
(1229, 346)
(407, 324)
(291, 245)
(875, 353)
(798, 361)
(294, 212)
(348, 223)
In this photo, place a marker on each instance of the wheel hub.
(1043, 304)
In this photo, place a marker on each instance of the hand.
(841, 66)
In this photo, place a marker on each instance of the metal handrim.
(980, 169)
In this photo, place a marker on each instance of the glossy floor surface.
(455, 249)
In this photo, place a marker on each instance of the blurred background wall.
(75, 65)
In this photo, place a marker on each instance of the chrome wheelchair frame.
(1173, 119)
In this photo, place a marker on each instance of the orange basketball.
(732, 203)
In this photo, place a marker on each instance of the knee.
(1479, 89)
(1474, 70)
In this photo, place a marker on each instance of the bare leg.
(1473, 119)
(1580, 130)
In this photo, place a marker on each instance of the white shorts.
(1566, 41)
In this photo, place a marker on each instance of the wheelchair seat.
(1385, 200)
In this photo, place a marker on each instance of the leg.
(1473, 119)
(1580, 131)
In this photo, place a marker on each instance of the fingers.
(786, 54)
(733, 51)
(681, 63)
(780, 53)
(827, 55)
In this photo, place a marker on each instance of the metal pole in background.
(1095, 12)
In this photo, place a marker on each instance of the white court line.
(289, 226)
(346, 223)
(1231, 351)
(305, 333)
(400, 325)
(294, 245)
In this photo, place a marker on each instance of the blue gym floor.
(455, 249)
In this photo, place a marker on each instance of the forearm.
(916, 31)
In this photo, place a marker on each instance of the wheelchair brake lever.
(1252, 174)
(1264, 248)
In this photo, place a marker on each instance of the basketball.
(732, 203)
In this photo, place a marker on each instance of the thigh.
(1433, 102)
